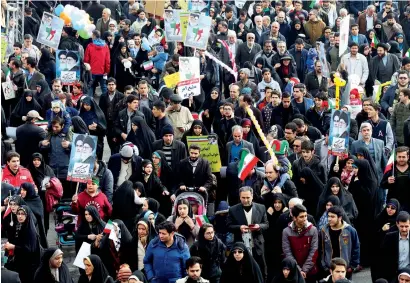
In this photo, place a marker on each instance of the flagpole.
(394, 157)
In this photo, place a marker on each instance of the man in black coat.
(174, 150)
(394, 247)
(194, 171)
(247, 221)
(284, 112)
(28, 137)
(9, 276)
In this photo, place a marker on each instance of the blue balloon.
(58, 10)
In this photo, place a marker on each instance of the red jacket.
(97, 55)
(100, 201)
(23, 175)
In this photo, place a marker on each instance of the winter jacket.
(114, 165)
(349, 245)
(159, 60)
(53, 194)
(273, 84)
(307, 102)
(320, 120)
(314, 164)
(302, 247)
(400, 113)
(50, 115)
(59, 157)
(281, 117)
(267, 35)
(164, 264)
(302, 67)
(178, 152)
(314, 30)
(202, 177)
(106, 180)
(32, 133)
(406, 132)
(23, 175)
(313, 85)
(97, 55)
(182, 118)
(18, 79)
(100, 201)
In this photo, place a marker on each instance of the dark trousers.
(260, 259)
(95, 80)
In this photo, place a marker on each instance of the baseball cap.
(34, 114)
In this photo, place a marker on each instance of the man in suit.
(355, 36)
(368, 142)
(33, 76)
(233, 147)
(247, 221)
(396, 248)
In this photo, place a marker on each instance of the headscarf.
(138, 275)
(311, 190)
(79, 126)
(123, 205)
(100, 272)
(184, 228)
(212, 104)
(153, 205)
(294, 275)
(190, 132)
(46, 60)
(94, 115)
(41, 172)
(47, 274)
(366, 154)
(163, 165)
(26, 232)
(384, 218)
(24, 106)
(143, 137)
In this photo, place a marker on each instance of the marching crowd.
(308, 217)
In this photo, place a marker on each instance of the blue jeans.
(97, 79)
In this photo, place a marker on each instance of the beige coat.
(182, 118)
(314, 30)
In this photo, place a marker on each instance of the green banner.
(209, 150)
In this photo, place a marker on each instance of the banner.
(8, 90)
(190, 83)
(156, 35)
(3, 48)
(209, 149)
(82, 157)
(50, 30)
(68, 66)
(199, 27)
(200, 6)
(339, 133)
(344, 35)
(172, 25)
(189, 88)
(172, 80)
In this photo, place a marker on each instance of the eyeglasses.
(237, 252)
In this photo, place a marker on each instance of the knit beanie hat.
(167, 130)
(126, 152)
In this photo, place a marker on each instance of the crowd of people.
(305, 216)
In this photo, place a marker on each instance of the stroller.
(65, 224)
(197, 199)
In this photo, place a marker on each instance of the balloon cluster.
(79, 19)
(261, 134)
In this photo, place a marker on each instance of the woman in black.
(241, 267)
(311, 190)
(197, 129)
(32, 199)
(125, 76)
(143, 232)
(153, 185)
(26, 104)
(39, 171)
(363, 188)
(211, 114)
(211, 250)
(95, 271)
(163, 170)
(114, 253)
(126, 204)
(42, 90)
(91, 226)
(290, 273)
(152, 205)
(79, 126)
(47, 65)
(334, 187)
(9, 221)
(52, 268)
(94, 118)
(26, 247)
(142, 136)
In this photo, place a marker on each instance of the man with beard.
(267, 53)
(249, 220)
(391, 97)
(284, 112)
(284, 25)
(332, 54)
(227, 122)
(245, 84)
(314, 27)
(328, 9)
(247, 50)
(333, 247)
(194, 171)
(356, 63)
(319, 116)
(311, 132)
(400, 113)
(233, 44)
(282, 52)
(259, 29)
(396, 180)
(356, 37)
(384, 65)
(315, 81)
(272, 34)
(309, 159)
(300, 54)
(299, 100)
(193, 269)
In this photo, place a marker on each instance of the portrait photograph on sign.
(82, 158)
(50, 30)
(68, 66)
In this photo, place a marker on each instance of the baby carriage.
(65, 224)
(196, 198)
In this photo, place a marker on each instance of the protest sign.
(184, 17)
(172, 80)
(190, 83)
(339, 133)
(8, 90)
(50, 30)
(82, 158)
(209, 149)
(189, 88)
(198, 31)
(68, 66)
(84, 251)
(344, 35)
(156, 35)
(200, 6)
(172, 25)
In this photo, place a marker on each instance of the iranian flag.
(390, 163)
(374, 42)
(108, 227)
(201, 220)
(8, 210)
(246, 164)
(407, 54)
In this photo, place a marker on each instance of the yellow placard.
(172, 80)
(3, 48)
(209, 150)
(184, 18)
(183, 4)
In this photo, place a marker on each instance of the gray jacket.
(245, 144)
(59, 157)
(380, 158)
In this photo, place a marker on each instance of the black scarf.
(41, 172)
(43, 273)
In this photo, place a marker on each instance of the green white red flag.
(246, 164)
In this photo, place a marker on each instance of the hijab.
(79, 126)
(94, 115)
(46, 61)
(24, 106)
(153, 205)
(190, 132)
(294, 275)
(100, 272)
(384, 218)
(163, 166)
(212, 104)
(143, 137)
(97, 222)
(311, 190)
(366, 154)
(26, 232)
(47, 274)
(45, 89)
(39, 173)
(123, 205)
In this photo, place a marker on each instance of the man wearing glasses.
(391, 97)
